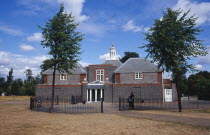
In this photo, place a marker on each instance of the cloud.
(36, 37)
(129, 26)
(201, 10)
(198, 67)
(105, 56)
(11, 30)
(75, 7)
(84, 64)
(26, 47)
(19, 63)
(204, 59)
(92, 28)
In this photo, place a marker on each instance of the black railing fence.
(73, 104)
(158, 104)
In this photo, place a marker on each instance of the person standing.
(131, 101)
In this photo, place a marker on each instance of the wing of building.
(111, 80)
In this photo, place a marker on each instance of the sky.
(104, 22)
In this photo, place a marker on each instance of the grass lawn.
(6, 98)
(193, 113)
(17, 119)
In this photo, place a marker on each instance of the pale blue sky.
(103, 22)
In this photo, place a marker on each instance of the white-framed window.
(138, 76)
(100, 75)
(63, 77)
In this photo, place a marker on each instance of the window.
(100, 75)
(63, 77)
(138, 76)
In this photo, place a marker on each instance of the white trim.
(138, 75)
(101, 75)
(90, 95)
(87, 95)
(62, 77)
(101, 93)
(96, 95)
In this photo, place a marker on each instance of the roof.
(77, 70)
(137, 65)
(113, 62)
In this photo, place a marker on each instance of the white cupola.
(113, 53)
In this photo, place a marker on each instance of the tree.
(172, 40)
(2, 85)
(63, 41)
(128, 55)
(199, 84)
(47, 64)
(15, 87)
(29, 74)
(9, 80)
(28, 88)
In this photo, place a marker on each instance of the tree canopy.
(63, 41)
(172, 41)
(199, 84)
(128, 55)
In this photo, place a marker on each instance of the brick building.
(111, 80)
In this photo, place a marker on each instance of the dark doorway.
(98, 94)
(93, 95)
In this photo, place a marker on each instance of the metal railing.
(72, 104)
(158, 104)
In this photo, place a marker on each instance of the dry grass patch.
(185, 113)
(9, 98)
(18, 120)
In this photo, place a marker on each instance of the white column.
(87, 95)
(95, 95)
(90, 95)
(101, 93)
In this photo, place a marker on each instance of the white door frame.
(168, 95)
(96, 98)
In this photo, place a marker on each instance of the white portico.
(95, 91)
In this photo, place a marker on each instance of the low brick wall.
(112, 92)
(60, 91)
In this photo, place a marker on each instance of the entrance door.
(94, 95)
(168, 95)
(98, 94)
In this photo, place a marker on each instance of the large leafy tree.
(28, 74)
(128, 55)
(63, 41)
(199, 84)
(9, 81)
(2, 85)
(172, 41)
(15, 87)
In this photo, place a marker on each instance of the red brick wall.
(82, 77)
(117, 77)
(159, 75)
(45, 79)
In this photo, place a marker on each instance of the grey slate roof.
(77, 70)
(113, 62)
(137, 65)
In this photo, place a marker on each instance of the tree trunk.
(53, 89)
(178, 94)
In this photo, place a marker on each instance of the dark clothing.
(131, 102)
